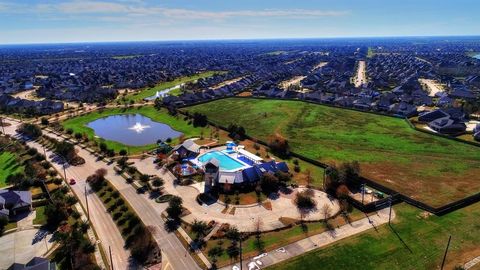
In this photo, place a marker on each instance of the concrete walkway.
(320, 240)
(22, 246)
(472, 263)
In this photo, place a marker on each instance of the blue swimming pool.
(226, 162)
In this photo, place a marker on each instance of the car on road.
(235, 267)
(281, 250)
(72, 181)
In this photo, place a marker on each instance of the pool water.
(226, 162)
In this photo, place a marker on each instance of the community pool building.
(232, 165)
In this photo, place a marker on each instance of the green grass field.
(79, 124)
(8, 166)
(418, 241)
(139, 96)
(429, 168)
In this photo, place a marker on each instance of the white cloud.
(136, 8)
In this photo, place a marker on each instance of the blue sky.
(30, 21)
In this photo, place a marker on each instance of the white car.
(282, 250)
(260, 256)
(253, 266)
(235, 267)
(259, 262)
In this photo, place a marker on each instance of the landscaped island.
(432, 169)
(80, 125)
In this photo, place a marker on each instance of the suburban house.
(36, 263)
(14, 202)
(448, 126)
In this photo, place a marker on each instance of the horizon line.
(237, 39)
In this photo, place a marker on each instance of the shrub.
(117, 215)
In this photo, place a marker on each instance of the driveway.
(22, 246)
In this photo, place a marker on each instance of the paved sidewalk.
(472, 263)
(321, 240)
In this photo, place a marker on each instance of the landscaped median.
(138, 237)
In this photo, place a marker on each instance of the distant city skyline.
(50, 21)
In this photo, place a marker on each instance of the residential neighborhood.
(239, 135)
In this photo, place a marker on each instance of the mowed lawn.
(79, 124)
(8, 166)
(432, 169)
(148, 92)
(417, 241)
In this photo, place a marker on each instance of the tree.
(30, 130)
(66, 150)
(326, 211)
(214, 253)
(269, 182)
(15, 179)
(233, 251)
(3, 223)
(349, 172)
(304, 201)
(175, 208)
(144, 177)
(158, 182)
(233, 234)
(97, 180)
(44, 121)
(308, 177)
(199, 120)
(78, 135)
(279, 145)
(199, 228)
(103, 147)
(122, 152)
(283, 177)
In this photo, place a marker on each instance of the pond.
(132, 129)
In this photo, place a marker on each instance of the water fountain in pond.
(139, 128)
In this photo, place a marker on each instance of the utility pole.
(64, 171)
(86, 200)
(111, 261)
(446, 250)
(241, 263)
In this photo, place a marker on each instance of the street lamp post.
(86, 200)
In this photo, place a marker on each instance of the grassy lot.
(40, 217)
(148, 92)
(418, 241)
(426, 167)
(79, 124)
(8, 166)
